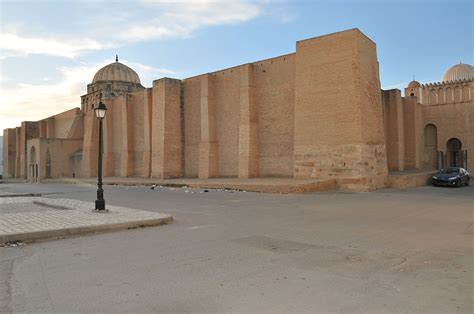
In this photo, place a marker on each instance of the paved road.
(387, 251)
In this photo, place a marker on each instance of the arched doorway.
(430, 152)
(454, 154)
(33, 168)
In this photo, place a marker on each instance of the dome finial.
(116, 58)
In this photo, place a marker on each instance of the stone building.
(317, 113)
(432, 126)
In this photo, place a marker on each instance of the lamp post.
(100, 111)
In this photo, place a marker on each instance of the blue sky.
(50, 50)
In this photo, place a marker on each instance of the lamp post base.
(100, 205)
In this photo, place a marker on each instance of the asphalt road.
(387, 251)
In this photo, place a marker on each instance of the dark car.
(453, 176)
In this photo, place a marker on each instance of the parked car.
(453, 176)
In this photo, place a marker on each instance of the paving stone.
(23, 219)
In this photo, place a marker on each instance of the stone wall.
(275, 100)
(63, 123)
(317, 113)
(137, 142)
(192, 125)
(247, 121)
(394, 129)
(90, 143)
(56, 153)
(452, 121)
(9, 153)
(167, 135)
(406, 120)
(226, 89)
(338, 112)
(239, 121)
(447, 92)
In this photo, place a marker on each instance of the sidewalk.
(267, 185)
(37, 218)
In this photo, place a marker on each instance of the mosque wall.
(192, 125)
(90, 144)
(337, 106)
(52, 157)
(223, 111)
(136, 123)
(453, 121)
(208, 153)
(63, 124)
(317, 113)
(226, 89)
(248, 124)
(274, 81)
(9, 152)
(147, 129)
(447, 92)
(420, 141)
(116, 111)
(27, 131)
(167, 129)
(394, 130)
(412, 127)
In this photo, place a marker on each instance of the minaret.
(414, 90)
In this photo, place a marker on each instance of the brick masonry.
(316, 114)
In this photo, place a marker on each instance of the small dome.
(116, 72)
(458, 72)
(414, 84)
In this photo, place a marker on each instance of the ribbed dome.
(414, 84)
(459, 71)
(116, 72)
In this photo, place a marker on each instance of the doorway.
(33, 167)
(454, 153)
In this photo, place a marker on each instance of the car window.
(449, 170)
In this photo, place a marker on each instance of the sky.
(50, 50)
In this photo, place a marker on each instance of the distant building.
(315, 113)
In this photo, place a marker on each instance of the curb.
(21, 195)
(61, 233)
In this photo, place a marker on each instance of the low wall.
(409, 179)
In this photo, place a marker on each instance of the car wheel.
(467, 183)
(458, 183)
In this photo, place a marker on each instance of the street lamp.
(100, 111)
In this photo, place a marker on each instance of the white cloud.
(32, 102)
(148, 73)
(181, 18)
(149, 20)
(13, 45)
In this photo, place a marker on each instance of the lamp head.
(100, 110)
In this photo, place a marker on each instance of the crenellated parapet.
(456, 87)
(439, 93)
